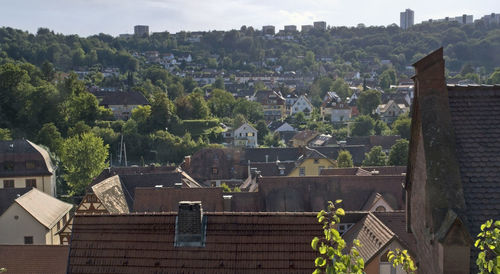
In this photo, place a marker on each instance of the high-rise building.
(291, 28)
(268, 30)
(141, 30)
(406, 19)
(320, 25)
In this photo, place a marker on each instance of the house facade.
(273, 104)
(390, 111)
(302, 105)
(311, 163)
(24, 164)
(245, 136)
(34, 218)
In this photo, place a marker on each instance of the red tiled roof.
(50, 259)
(235, 243)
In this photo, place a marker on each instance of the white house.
(389, 112)
(34, 218)
(245, 136)
(302, 105)
(334, 109)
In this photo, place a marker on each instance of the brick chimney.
(187, 163)
(190, 226)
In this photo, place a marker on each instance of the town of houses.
(244, 207)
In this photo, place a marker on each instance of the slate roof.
(44, 208)
(8, 195)
(305, 135)
(273, 168)
(21, 151)
(122, 98)
(235, 243)
(475, 117)
(345, 171)
(164, 199)
(51, 259)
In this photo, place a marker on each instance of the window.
(319, 169)
(380, 209)
(8, 166)
(316, 161)
(214, 170)
(250, 134)
(28, 240)
(8, 183)
(31, 183)
(302, 171)
(30, 165)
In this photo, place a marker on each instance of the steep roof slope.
(44, 208)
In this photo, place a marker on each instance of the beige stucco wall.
(45, 184)
(311, 168)
(13, 231)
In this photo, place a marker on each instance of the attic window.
(316, 161)
(8, 166)
(30, 165)
(215, 170)
(190, 225)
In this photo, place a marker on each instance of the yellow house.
(311, 163)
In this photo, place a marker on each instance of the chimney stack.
(190, 225)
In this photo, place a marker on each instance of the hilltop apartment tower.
(406, 19)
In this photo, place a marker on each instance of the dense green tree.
(162, 111)
(387, 78)
(50, 137)
(402, 126)
(252, 111)
(375, 157)
(341, 88)
(221, 103)
(368, 101)
(344, 159)
(83, 158)
(219, 83)
(5, 134)
(398, 156)
(362, 126)
(380, 128)
(494, 77)
(262, 130)
(273, 140)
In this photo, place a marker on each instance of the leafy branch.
(401, 257)
(331, 258)
(488, 260)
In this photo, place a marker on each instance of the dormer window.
(316, 161)
(190, 225)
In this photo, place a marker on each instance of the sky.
(89, 17)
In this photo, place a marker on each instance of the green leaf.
(340, 212)
(338, 201)
(322, 249)
(317, 271)
(320, 262)
(314, 243)
(477, 243)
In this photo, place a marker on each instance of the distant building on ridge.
(406, 19)
(141, 30)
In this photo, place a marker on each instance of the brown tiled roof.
(372, 234)
(396, 222)
(312, 193)
(235, 243)
(167, 199)
(386, 170)
(43, 259)
(122, 98)
(345, 171)
(21, 151)
(305, 135)
(475, 118)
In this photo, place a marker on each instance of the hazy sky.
(87, 17)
